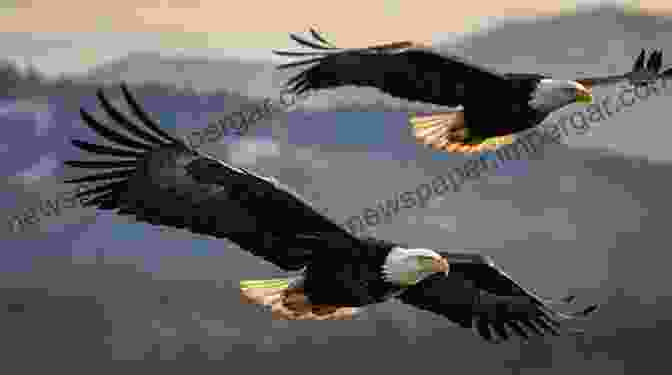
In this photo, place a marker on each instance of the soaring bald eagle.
(162, 181)
(495, 106)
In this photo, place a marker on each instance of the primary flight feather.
(160, 180)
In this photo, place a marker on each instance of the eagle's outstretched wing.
(643, 72)
(404, 69)
(476, 294)
(163, 181)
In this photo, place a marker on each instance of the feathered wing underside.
(449, 132)
(643, 72)
(161, 181)
(404, 69)
(476, 294)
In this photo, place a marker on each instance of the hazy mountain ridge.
(621, 35)
(30, 83)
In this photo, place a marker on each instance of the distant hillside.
(200, 73)
(30, 83)
(597, 41)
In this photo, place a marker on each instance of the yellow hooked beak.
(583, 94)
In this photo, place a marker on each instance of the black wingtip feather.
(545, 325)
(515, 327)
(532, 327)
(144, 117)
(656, 61)
(307, 43)
(318, 37)
(500, 329)
(109, 203)
(569, 299)
(293, 53)
(103, 176)
(110, 134)
(122, 120)
(589, 310)
(484, 330)
(299, 63)
(104, 201)
(576, 315)
(105, 150)
(564, 300)
(300, 87)
(639, 61)
(653, 60)
(103, 188)
(322, 50)
(299, 77)
(101, 164)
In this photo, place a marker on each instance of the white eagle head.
(407, 267)
(553, 94)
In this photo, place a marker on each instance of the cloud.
(447, 223)
(557, 219)
(246, 151)
(32, 105)
(307, 154)
(43, 121)
(38, 107)
(44, 167)
(219, 328)
(7, 107)
(567, 184)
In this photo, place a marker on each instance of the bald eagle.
(331, 274)
(495, 106)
